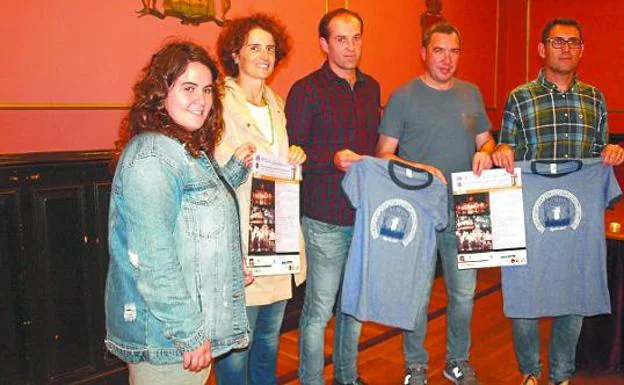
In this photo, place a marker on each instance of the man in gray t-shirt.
(438, 123)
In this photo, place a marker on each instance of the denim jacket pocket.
(198, 206)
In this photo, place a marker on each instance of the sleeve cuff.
(192, 342)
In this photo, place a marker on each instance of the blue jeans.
(562, 350)
(460, 289)
(327, 248)
(256, 364)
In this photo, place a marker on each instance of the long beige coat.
(240, 127)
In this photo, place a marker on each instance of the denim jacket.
(175, 274)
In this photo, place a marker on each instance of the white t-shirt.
(262, 116)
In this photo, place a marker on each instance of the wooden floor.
(381, 360)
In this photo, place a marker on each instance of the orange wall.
(76, 51)
(512, 49)
(603, 60)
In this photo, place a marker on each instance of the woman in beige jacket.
(249, 49)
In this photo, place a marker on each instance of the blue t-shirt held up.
(565, 274)
(392, 254)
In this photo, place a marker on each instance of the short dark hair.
(233, 37)
(561, 21)
(441, 27)
(329, 16)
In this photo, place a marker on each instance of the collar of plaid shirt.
(331, 75)
(541, 78)
(545, 123)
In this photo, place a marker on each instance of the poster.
(490, 219)
(274, 222)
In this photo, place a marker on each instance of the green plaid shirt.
(540, 122)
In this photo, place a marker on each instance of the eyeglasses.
(560, 43)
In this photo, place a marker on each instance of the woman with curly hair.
(174, 292)
(249, 49)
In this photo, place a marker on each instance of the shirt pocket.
(203, 210)
(586, 121)
(470, 124)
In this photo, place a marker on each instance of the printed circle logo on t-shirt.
(394, 220)
(557, 210)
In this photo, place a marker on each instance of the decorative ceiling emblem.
(432, 15)
(192, 12)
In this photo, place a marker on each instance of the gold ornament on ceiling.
(192, 12)
(432, 15)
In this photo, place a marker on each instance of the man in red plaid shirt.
(333, 113)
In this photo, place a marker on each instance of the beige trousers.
(145, 373)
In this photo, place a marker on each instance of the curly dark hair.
(233, 37)
(147, 111)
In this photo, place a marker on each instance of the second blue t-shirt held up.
(393, 250)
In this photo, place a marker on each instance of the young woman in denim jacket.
(249, 49)
(175, 291)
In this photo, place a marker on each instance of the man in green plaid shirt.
(555, 116)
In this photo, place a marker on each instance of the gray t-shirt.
(436, 127)
(392, 256)
(566, 252)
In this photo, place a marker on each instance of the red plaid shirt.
(325, 115)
